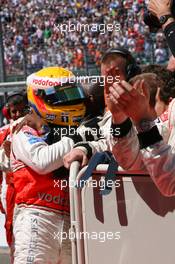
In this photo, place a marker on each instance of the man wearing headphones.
(117, 64)
(15, 108)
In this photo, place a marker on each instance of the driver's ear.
(170, 99)
(158, 93)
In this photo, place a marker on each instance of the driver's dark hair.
(94, 93)
(167, 91)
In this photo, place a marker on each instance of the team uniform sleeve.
(4, 161)
(127, 152)
(122, 141)
(159, 160)
(34, 152)
(100, 138)
(127, 149)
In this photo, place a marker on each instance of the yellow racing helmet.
(56, 97)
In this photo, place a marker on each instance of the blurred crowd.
(32, 37)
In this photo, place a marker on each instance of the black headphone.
(132, 68)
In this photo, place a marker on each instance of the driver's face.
(16, 111)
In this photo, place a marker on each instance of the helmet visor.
(69, 93)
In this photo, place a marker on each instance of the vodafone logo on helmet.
(44, 82)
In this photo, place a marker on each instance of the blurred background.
(30, 39)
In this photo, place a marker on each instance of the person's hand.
(117, 115)
(75, 155)
(160, 7)
(32, 120)
(171, 64)
(7, 147)
(132, 100)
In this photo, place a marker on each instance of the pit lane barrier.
(143, 216)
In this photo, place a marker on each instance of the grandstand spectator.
(32, 29)
(161, 52)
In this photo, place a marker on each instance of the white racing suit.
(38, 236)
(42, 210)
